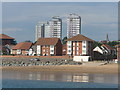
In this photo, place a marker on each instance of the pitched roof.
(3, 36)
(79, 37)
(47, 41)
(23, 45)
(107, 46)
(118, 45)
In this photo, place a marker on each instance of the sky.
(98, 18)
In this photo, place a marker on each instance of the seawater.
(16, 79)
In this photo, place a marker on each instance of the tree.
(95, 44)
(112, 43)
(63, 40)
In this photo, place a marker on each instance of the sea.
(22, 79)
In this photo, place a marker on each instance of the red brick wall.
(58, 48)
(79, 47)
(45, 50)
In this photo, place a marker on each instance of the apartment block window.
(52, 46)
(84, 46)
(46, 50)
(84, 51)
(43, 50)
(52, 50)
(69, 50)
(69, 46)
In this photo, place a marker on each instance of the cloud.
(11, 29)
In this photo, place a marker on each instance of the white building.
(73, 25)
(47, 32)
(56, 27)
(79, 45)
(39, 30)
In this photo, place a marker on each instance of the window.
(46, 50)
(43, 50)
(52, 50)
(84, 46)
(84, 51)
(69, 46)
(52, 46)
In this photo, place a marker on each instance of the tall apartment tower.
(40, 27)
(47, 32)
(73, 25)
(56, 27)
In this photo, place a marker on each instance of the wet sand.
(85, 68)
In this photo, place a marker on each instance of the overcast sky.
(98, 19)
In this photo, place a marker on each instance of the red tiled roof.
(3, 36)
(118, 45)
(47, 41)
(107, 46)
(79, 37)
(23, 45)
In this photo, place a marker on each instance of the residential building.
(79, 45)
(73, 25)
(49, 47)
(33, 50)
(64, 49)
(21, 48)
(6, 40)
(6, 43)
(56, 27)
(108, 49)
(47, 32)
(40, 27)
(104, 52)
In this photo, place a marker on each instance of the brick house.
(64, 48)
(49, 47)
(79, 45)
(5, 39)
(21, 48)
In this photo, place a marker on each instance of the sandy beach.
(85, 68)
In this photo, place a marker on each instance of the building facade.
(21, 48)
(6, 40)
(73, 25)
(56, 27)
(40, 28)
(79, 45)
(47, 32)
(49, 47)
(52, 28)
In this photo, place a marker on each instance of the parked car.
(35, 59)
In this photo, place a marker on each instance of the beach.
(53, 64)
(104, 69)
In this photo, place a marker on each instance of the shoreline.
(103, 69)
